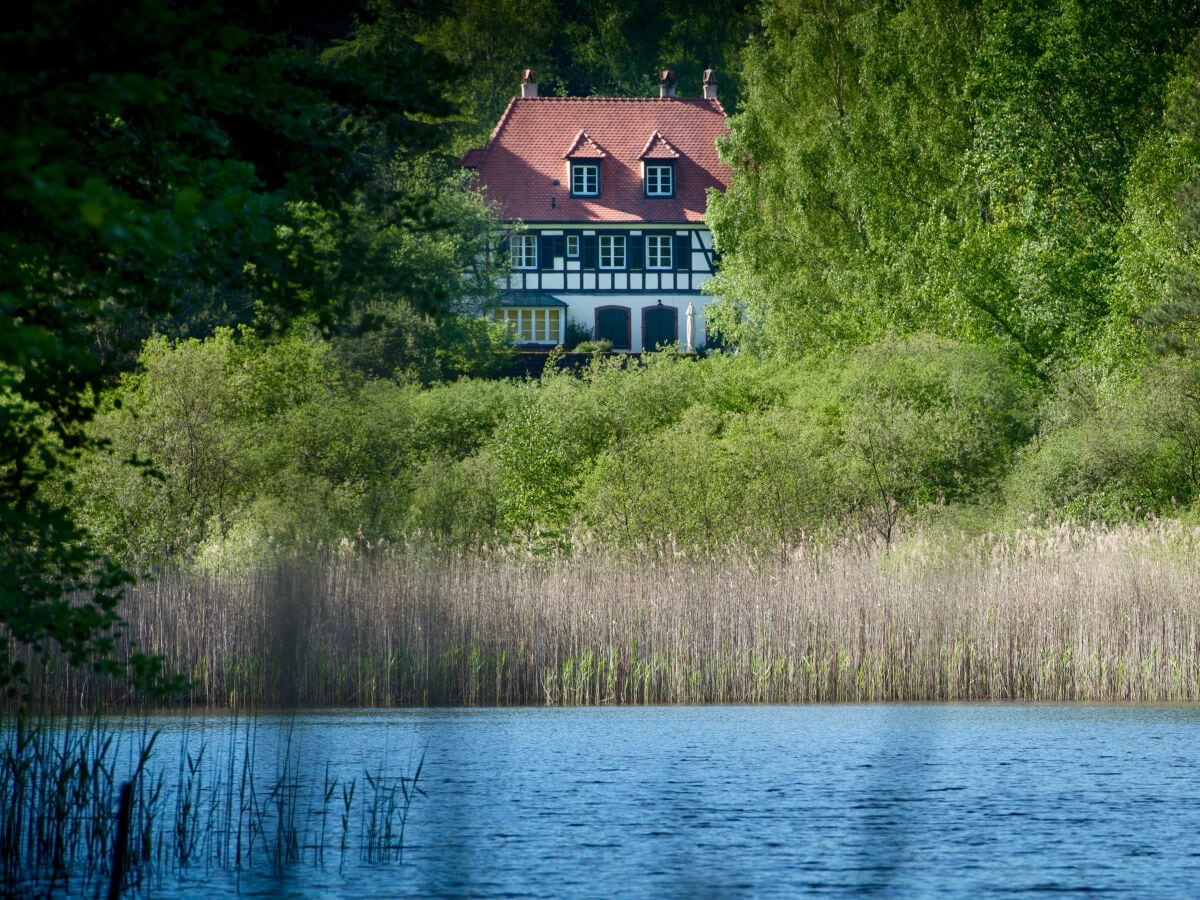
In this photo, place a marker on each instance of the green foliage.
(199, 412)
(579, 334)
(456, 420)
(389, 339)
(257, 446)
(854, 440)
(539, 457)
(457, 502)
(990, 172)
(1170, 219)
(604, 48)
(604, 345)
(249, 446)
(175, 166)
(843, 156)
(925, 421)
(667, 489)
(1117, 456)
(1064, 97)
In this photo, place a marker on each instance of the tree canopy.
(192, 160)
(988, 171)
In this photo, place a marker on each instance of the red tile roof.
(658, 147)
(583, 147)
(529, 149)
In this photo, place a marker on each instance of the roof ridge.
(688, 100)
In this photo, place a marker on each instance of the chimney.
(666, 83)
(528, 84)
(710, 84)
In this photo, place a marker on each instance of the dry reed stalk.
(1066, 614)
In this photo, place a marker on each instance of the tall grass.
(1070, 613)
(59, 786)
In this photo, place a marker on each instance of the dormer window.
(583, 159)
(585, 179)
(659, 179)
(658, 166)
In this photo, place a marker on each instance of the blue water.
(904, 801)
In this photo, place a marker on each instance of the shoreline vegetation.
(1101, 613)
(239, 799)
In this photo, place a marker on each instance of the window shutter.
(504, 250)
(637, 252)
(560, 246)
(589, 251)
(683, 252)
(545, 252)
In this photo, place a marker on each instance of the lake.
(887, 800)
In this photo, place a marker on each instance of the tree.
(154, 154)
(1063, 97)
(598, 48)
(933, 165)
(1170, 230)
(844, 156)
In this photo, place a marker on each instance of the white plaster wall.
(582, 309)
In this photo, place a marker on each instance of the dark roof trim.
(525, 299)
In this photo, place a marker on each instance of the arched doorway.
(612, 324)
(660, 325)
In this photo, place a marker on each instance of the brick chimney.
(528, 84)
(710, 84)
(666, 83)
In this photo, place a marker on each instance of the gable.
(525, 166)
(658, 147)
(583, 147)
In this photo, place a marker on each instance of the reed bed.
(1062, 614)
(216, 808)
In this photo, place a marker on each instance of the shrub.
(1134, 451)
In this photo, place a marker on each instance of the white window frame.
(659, 179)
(585, 179)
(572, 246)
(660, 251)
(522, 251)
(532, 324)
(611, 253)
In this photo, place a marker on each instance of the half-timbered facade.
(605, 198)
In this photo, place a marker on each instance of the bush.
(199, 411)
(456, 502)
(674, 488)
(1134, 451)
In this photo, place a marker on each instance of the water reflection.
(937, 800)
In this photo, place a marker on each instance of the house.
(606, 200)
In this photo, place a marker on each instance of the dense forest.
(241, 267)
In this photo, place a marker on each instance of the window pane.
(659, 180)
(572, 245)
(658, 251)
(585, 179)
(612, 251)
(523, 251)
